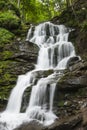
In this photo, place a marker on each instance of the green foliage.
(6, 54)
(5, 36)
(2, 3)
(84, 26)
(9, 20)
(36, 11)
(6, 5)
(6, 79)
(4, 64)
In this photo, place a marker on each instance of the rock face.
(75, 17)
(31, 126)
(70, 100)
(9, 23)
(71, 91)
(20, 58)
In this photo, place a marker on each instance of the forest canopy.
(40, 10)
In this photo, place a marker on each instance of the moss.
(82, 92)
(67, 75)
(7, 79)
(48, 72)
(4, 64)
(64, 77)
(6, 55)
(61, 103)
(5, 74)
(84, 26)
(5, 36)
(9, 20)
(5, 91)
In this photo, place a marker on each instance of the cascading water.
(55, 52)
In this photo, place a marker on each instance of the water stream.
(54, 53)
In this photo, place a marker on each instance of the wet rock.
(84, 114)
(26, 51)
(76, 65)
(37, 75)
(75, 78)
(73, 83)
(3, 126)
(63, 124)
(73, 60)
(16, 58)
(30, 126)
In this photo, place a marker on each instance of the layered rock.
(16, 58)
(70, 101)
(75, 17)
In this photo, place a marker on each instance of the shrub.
(84, 26)
(5, 36)
(9, 20)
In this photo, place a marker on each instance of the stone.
(17, 58)
(30, 126)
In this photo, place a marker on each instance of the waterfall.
(54, 53)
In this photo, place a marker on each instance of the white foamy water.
(55, 52)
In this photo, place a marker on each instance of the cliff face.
(71, 102)
(75, 17)
(17, 57)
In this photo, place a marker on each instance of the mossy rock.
(5, 36)
(9, 20)
(7, 79)
(6, 54)
(84, 26)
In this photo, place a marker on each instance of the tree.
(40, 10)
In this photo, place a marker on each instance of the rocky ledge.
(70, 101)
(16, 58)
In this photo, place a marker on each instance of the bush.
(6, 5)
(5, 36)
(84, 26)
(9, 20)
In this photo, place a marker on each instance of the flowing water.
(54, 53)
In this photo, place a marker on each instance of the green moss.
(49, 72)
(63, 78)
(84, 26)
(82, 92)
(7, 79)
(6, 54)
(4, 64)
(7, 76)
(5, 36)
(61, 103)
(9, 20)
(5, 91)
(66, 76)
